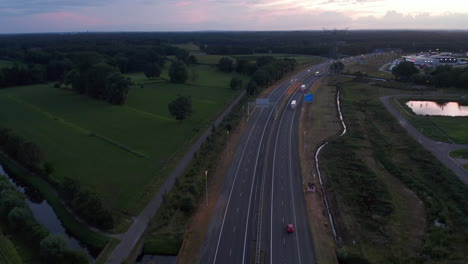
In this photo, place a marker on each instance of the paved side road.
(439, 149)
(133, 234)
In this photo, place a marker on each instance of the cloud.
(396, 20)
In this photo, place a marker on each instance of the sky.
(31, 16)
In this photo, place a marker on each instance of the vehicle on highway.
(290, 228)
(293, 104)
(303, 87)
(317, 73)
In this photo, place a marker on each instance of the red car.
(290, 228)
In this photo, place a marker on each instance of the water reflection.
(435, 109)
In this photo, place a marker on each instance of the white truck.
(303, 87)
(293, 104)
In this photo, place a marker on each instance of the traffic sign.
(308, 97)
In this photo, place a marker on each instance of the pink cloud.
(181, 4)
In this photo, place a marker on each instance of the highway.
(263, 191)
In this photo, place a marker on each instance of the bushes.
(20, 218)
(86, 204)
(26, 153)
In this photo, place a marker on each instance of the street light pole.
(227, 141)
(206, 186)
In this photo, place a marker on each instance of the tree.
(336, 67)
(20, 218)
(117, 87)
(235, 83)
(178, 72)
(252, 88)
(404, 70)
(192, 60)
(225, 65)
(10, 199)
(152, 70)
(52, 248)
(181, 108)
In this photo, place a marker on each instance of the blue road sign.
(308, 97)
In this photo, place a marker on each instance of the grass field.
(439, 128)
(8, 64)
(460, 154)
(399, 174)
(80, 135)
(8, 253)
(371, 66)
(211, 59)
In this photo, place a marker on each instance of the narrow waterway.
(44, 213)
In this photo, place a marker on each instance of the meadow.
(387, 191)
(121, 152)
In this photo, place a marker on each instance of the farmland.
(118, 151)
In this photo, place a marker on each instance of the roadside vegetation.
(369, 66)
(460, 154)
(393, 201)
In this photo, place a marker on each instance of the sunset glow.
(167, 15)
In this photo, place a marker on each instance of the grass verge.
(393, 201)
(459, 154)
(319, 121)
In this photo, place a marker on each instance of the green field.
(83, 138)
(8, 63)
(8, 253)
(211, 59)
(439, 128)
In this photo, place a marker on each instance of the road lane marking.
(232, 189)
(284, 241)
(273, 177)
(252, 186)
(237, 209)
(234, 230)
(291, 184)
(230, 251)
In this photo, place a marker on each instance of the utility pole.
(227, 141)
(206, 186)
(335, 32)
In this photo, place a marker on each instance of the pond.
(43, 212)
(432, 108)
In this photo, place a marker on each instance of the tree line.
(263, 72)
(442, 76)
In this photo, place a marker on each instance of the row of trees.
(100, 81)
(441, 77)
(15, 212)
(24, 152)
(264, 71)
(86, 204)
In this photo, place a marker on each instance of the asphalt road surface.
(263, 190)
